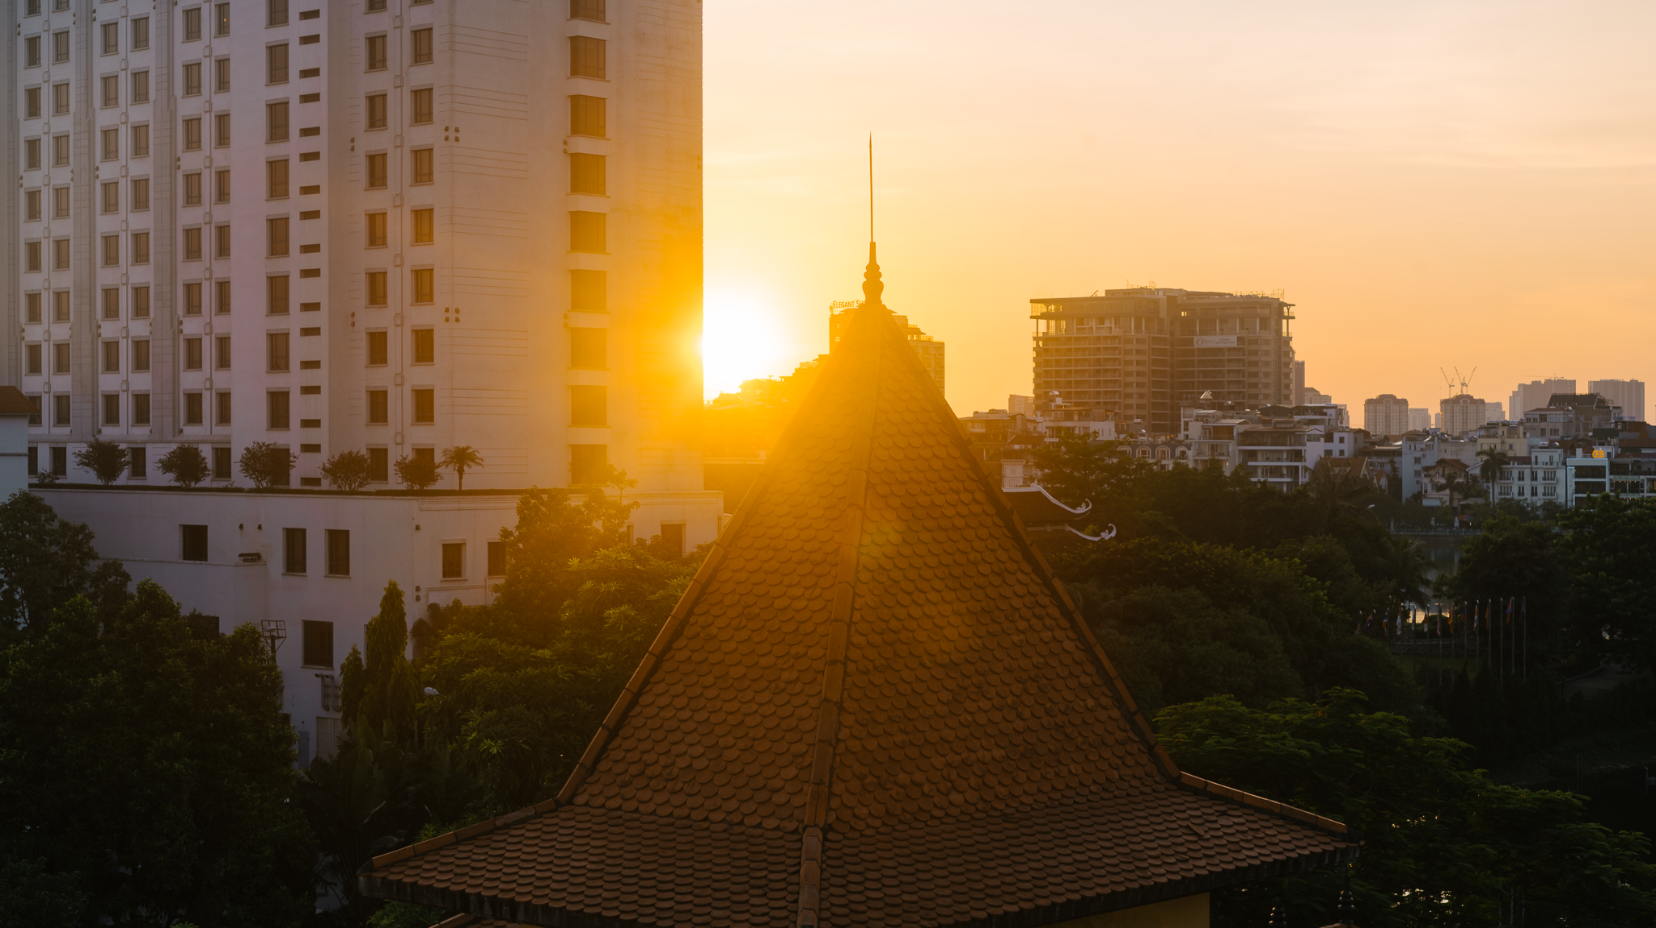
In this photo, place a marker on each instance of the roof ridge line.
(1067, 606)
(1241, 797)
(839, 642)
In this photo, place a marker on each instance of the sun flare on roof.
(742, 338)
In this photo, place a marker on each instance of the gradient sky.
(1432, 184)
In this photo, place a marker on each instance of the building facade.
(1386, 415)
(1628, 394)
(387, 226)
(1532, 395)
(1143, 351)
(1461, 413)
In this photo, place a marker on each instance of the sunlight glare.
(741, 339)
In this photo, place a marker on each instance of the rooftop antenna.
(872, 285)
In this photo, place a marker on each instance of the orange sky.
(1433, 184)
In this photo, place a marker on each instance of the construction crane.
(1464, 382)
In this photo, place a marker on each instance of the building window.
(589, 407)
(276, 402)
(140, 195)
(60, 47)
(276, 178)
(497, 558)
(588, 231)
(586, 57)
(139, 83)
(192, 24)
(60, 409)
(221, 75)
(60, 254)
(192, 243)
(60, 359)
(276, 64)
(376, 230)
(31, 50)
(60, 306)
(192, 298)
(140, 141)
(276, 122)
(192, 354)
(111, 303)
(111, 196)
(221, 130)
(192, 135)
(276, 236)
(31, 256)
(140, 33)
(376, 111)
(140, 248)
(111, 408)
(111, 357)
(60, 100)
(586, 174)
(276, 295)
(140, 302)
(140, 355)
(221, 353)
(60, 461)
(374, 52)
(111, 34)
(376, 171)
(377, 355)
(588, 464)
(137, 462)
(424, 223)
(672, 537)
(221, 185)
(425, 350)
(31, 359)
(31, 154)
(276, 12)
(379, 412)
(140, 409)
(339, 552)
(588, 347)
(587, 9)
(425, 406)
(221, 19)
(419, 106)
(31, 307)
(192, 79)
(319, 636)
(31, 206)
(293, 562)
(60, 151)
(111, 248)
(454, 560)
(60, 203)
(422, 46)
(110, 90)
(193, 542)
(276, 351)
(379, 465)
(221, 463)
(425, 285)
(222, 240)
(31, 103)
(110, 148)
(377, 289)
(424, 171)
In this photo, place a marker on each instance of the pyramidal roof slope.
(874, 706)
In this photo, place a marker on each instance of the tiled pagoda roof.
(874, 706)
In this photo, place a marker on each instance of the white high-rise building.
(1534, 395)
(1419, 419)
(390, 226)
(1628, 394)
(384, 226)
(1386, 416)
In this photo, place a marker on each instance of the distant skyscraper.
(1299, 383)
(1141, 352)
(1386, 416)
(1462, 413)
(1311, 396)
(1533, 395)
(1495, 413)
(1419, 419)
(1628, 394)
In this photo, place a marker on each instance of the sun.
(741, 339)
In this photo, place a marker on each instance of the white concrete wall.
(392, 538)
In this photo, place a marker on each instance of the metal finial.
(1279, 918)
(1347, 909)
(872, 285)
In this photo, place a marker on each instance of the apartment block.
(1627, 394)
(1534, 395)
(389, 226)
(1386, 415)
(1141, 352)
(1462, 413)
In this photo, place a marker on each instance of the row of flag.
(1483, 615)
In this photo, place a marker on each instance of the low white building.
(1533, 479)
(313, 565)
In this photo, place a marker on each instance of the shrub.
(105, 459)
(267, 464)
(416, 473)
(185, 464)
(347, 470)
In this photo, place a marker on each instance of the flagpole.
(1524, 615)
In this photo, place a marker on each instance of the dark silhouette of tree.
(416, 473)
(105, 459)
(460, 459)
(347, 470)
(185, 464)
(267, 464)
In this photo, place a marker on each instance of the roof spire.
(872, 285)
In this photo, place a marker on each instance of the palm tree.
(1494, 460)
(460, 459)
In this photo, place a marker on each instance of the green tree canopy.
(147, 770)
(46, 561)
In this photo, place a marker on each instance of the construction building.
(1141, 352)
(1462, 413)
